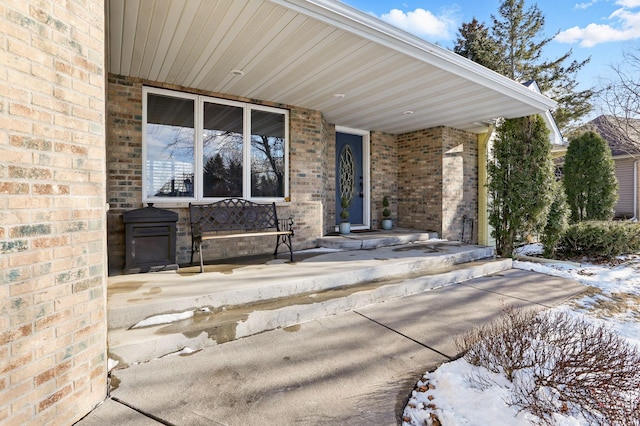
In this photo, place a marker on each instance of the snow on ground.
(612, 296)
(168, 318)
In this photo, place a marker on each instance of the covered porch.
(416, 108)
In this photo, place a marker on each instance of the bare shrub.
(500, 346)
(559, 364)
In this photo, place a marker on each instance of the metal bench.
(233, 218)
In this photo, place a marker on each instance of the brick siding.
(438, 180)
(384, 176)
(52, 210)
(460, 183)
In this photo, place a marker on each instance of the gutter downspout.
(635, 192)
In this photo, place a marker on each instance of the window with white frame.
(198, 147)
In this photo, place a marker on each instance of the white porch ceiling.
(301, 53)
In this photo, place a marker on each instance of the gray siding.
(625, 175)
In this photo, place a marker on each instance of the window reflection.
(222, 149)
(267, 154)
(242, 147)
(170, 143)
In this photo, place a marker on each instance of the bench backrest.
(233, 214)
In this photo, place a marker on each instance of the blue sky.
(600, 29)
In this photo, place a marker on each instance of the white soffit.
(301, 53)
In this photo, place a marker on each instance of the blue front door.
(349, 176)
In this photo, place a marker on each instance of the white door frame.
(366, 172)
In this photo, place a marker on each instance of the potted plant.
(386, 220)
(344, 226)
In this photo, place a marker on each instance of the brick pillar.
(438, 181)
(420, 180)
(52, 211)
(459, 184)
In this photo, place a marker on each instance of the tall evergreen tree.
(517, 41)
(516, 33)
(520, 181)
(475, 43)
(590, 178)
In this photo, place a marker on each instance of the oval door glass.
(347, 174)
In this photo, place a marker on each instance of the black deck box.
(150, 240)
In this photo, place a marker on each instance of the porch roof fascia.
(355, 21)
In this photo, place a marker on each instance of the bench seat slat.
(245, 234)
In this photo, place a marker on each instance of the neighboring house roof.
(302, 53)
(622, 143)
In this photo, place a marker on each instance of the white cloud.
(583, 6)
(628, 3)
(625, 25)
(424, 23)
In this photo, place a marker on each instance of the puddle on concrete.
(114, 383)
(124, 287)
(139, 299)
(221, 324)
(293, 328)
(305, 256)
(153, 290)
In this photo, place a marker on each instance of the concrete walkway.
(354, 368)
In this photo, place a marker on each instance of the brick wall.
(384, 176)
(124, 166)
(438, 180)
(310, 182)
(420, 180)
(52, 218)
(460, 183)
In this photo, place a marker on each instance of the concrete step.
(132, 298)
(204, 326)
(374, 239)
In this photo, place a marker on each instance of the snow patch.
(164, 319)
(455, 401)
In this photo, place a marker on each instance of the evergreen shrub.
(600, 239)
(520, 181)
(590, 178)
(557, 221)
